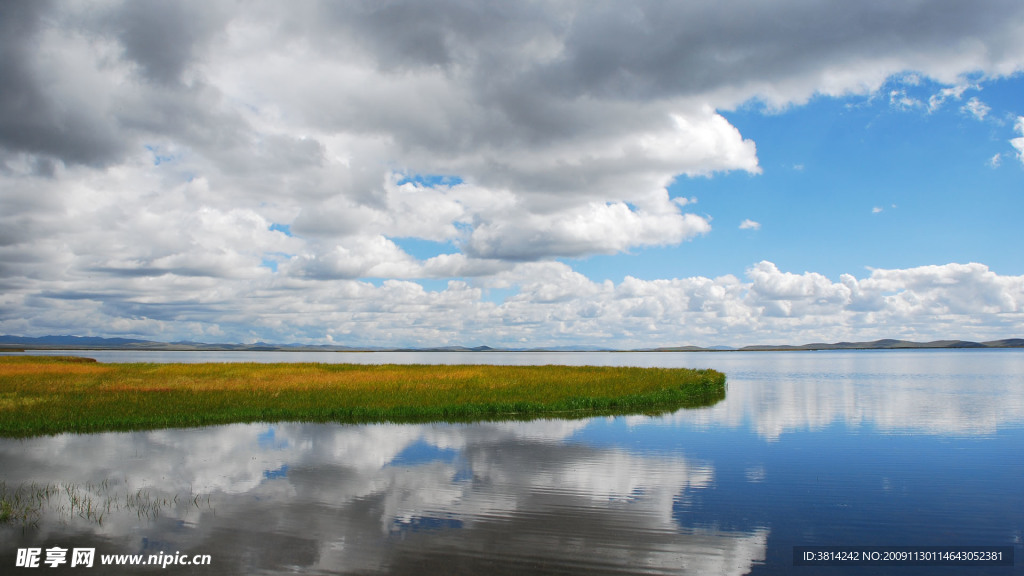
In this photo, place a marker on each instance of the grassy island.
(49, 395)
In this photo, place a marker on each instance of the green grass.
(49, 395)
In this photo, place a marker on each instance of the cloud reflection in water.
(496, 497)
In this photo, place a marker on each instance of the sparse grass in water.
(48, 395)
(26, 504)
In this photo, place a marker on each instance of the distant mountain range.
(886, 344)
(95, 343)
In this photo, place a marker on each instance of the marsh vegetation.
(27, 504)
(49, 395)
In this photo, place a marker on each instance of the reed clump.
(49, 395)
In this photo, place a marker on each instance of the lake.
(860, 448)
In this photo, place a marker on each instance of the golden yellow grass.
(41, 395)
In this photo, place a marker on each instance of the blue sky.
(549, 174)
(855, 183)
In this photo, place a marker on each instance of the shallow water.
(888, 448)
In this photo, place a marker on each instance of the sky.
(516, 174)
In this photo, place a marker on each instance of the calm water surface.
(815, 448)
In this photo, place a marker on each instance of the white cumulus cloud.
(193, 170)
(977, 108)
(1018, 143)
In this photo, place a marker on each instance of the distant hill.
(449, 349)
(83, 341)
(97, 343)
(1007, 343)
(889, 344)
(885, 344)
(687, 349)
